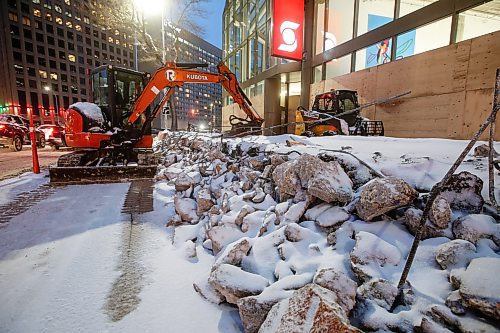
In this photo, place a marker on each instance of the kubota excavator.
(113, 134)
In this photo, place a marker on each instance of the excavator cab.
(114, 90)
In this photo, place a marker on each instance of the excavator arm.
(172, 75)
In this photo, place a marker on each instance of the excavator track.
(78, 168)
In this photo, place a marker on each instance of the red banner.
(288, 29)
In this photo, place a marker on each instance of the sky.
(213, 22)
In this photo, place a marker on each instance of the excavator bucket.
(101, 174)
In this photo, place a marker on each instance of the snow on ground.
(23, 183)
(61, 258)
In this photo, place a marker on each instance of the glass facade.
(246, 30)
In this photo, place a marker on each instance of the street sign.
(166, 110)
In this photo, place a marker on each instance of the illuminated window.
(117, 42)
(110, 40)
(36, 1)
(78, 27)
(58, 9)
(69, 24)
(117, 33)
(53, 76)
(48, 17)
(68, 2)
(43, 74)
(86, 20)
(13, 17)
(68, 13)
(26, 21)
(59, 20)
(71, 58)
(77, 17)
(37, 13)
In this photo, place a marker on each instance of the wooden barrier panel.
(452, 90)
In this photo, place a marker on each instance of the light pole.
(47, 88)
(211, 118)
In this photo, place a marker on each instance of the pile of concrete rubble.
(305, 243)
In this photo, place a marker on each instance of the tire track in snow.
(24, 201)
(124, 295)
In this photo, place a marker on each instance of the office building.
(48, 49)
(441, 50)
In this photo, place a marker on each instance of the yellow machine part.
(300, 127)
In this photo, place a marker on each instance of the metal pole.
(34, 152)
(57, 108)
(163, 51)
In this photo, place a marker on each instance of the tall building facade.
(342, 38)
(198, 105)
(48, 49)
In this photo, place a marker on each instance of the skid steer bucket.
(100, 174)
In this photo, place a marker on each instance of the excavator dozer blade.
(101, 174)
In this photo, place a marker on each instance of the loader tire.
(329, 133)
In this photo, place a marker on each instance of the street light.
(48, 89)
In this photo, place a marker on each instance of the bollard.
(34, 152)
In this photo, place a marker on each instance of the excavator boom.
(171, 76)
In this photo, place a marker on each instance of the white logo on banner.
(287, 29)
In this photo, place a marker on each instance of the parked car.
(54, 135)
(14, 132)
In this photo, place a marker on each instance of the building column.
(272, 108)
(308, 53)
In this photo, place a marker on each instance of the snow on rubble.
(311, 234)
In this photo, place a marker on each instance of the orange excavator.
(113, 135)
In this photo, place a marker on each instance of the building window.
(69, 24)
(18, 69)
(39, 37)
(28, 46)
(68, 2)
(78, 27)
(16, 43)
(27, 34)
(64, 78)
(51, 40)
(53, 76)
(17, 56)
(64, 88)
(30, 59)
(59, 20)
(19, 82)
(58, 9)
(49, 28)
(374, 14)
(37, 12)
(38, 24)
(338, 67)
(13, 17)
(52, 52)
(478, 21)
(62, 65)
(86, 20)
(43, 74)
(70, 34)
(62, 55)
(425, 38)
(48, 17)
(60, 32)
(71, 46)
(71, 57)
(40, 49)
(26, 21)
(53, 64)
(32, 84)
(42, 62)
(61, 43)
